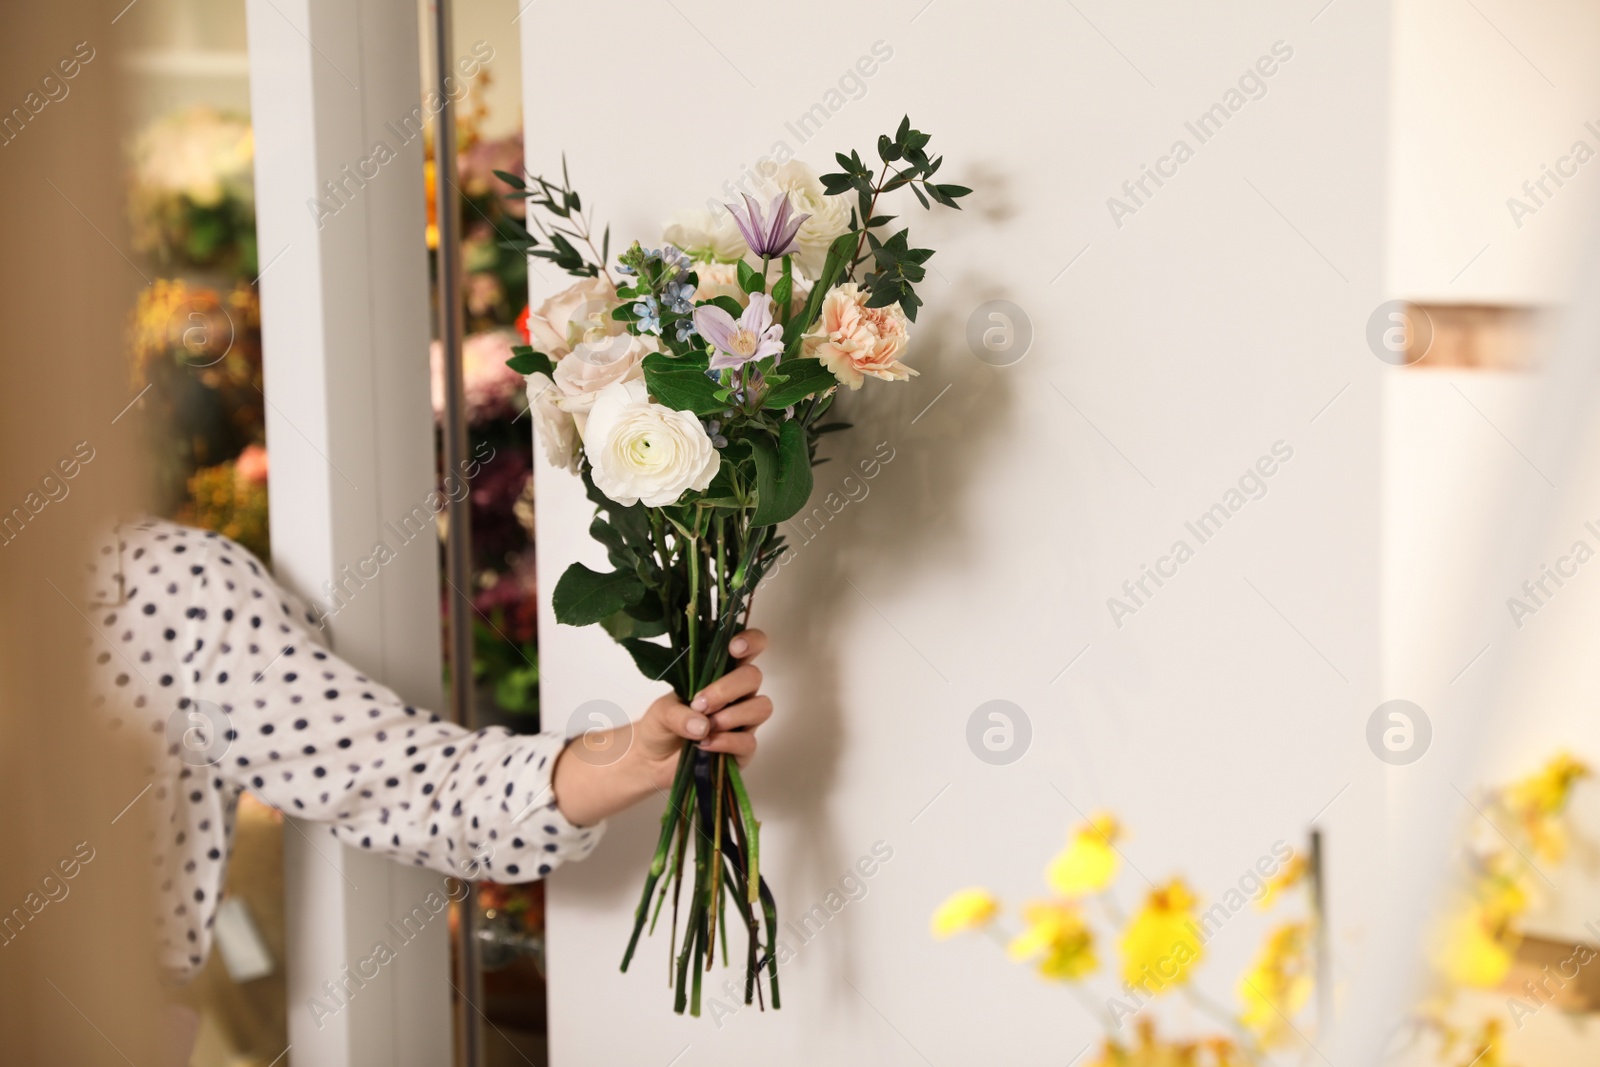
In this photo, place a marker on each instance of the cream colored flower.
(556, 430)
(581, 311)
(830, 215)
(722, 279)
(967, 909)
(641, 450)
(593, 365)
(719, 279)
(855, 341)
(705, 234)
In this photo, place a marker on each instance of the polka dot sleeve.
(202, 633)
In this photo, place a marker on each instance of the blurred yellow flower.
(1058, 937)
(1539, 800)
(1472, 944)
(1089, 862)
(1290, 876)
(1160, 945)
(967, 909)
(1485, 1048)
(430, 185)
(1152, 1051)
(1278, 983)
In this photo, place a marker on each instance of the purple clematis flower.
(753, 336)
(771, 235)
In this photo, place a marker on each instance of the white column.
(345, 322)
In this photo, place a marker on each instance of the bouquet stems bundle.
(690, 397)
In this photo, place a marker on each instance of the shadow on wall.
(886, 508)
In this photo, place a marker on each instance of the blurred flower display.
(196, 363)
(231, 498)
(1159, 948)
(191, 192)
(1473, 944)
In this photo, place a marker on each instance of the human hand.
(722, 717)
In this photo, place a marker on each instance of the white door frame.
(349, 425)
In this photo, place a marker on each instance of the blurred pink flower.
(492, 387)
(251, 465)
(479, 162)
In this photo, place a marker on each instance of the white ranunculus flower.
(830, 215)
(593, 365)
(706, 234)
(556, 429)
(643, 451)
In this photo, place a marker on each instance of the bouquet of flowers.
(690, 396)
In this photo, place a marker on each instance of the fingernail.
(698, 703)
(698, 727)
(738, 646)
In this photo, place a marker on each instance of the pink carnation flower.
(855, 341)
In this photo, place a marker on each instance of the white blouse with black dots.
(196, 642)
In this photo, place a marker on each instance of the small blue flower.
(623, 268)
(679, 297)
(672, 256)
(686, 330)
(648, 318)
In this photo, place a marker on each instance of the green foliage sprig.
(897, 267)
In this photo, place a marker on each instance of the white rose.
(706, 234)
(830, 215)
(555, 429)
(642, 451)
(593, 365)
(578, 312)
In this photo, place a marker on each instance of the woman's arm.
(592, 782)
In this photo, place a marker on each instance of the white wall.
(1226, 315)
(1486, 96)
